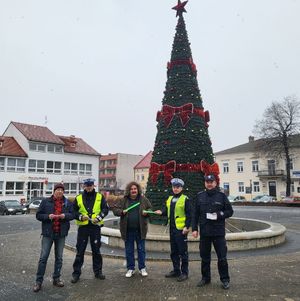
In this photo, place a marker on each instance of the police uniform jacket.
(88, 199)
(211, 201)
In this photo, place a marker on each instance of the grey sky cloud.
(97, 69)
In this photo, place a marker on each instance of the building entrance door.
(272, 188)
(35, 189)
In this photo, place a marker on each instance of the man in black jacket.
(55, 214)
(90, 208)
(211, 209)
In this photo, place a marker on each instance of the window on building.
(53, 148)
(1, 187)
(240, 166)
(256, 187)
(70, 188)
(138, 178)
(74, 168)
(255, 165)
(49, 188)
(38, 147)
(225, 167)
(36, 166)
(14, 164)
(241, 187)
(85, 169)
(71, 168)
(271, 167)
(143, 177)
(226, 188)
(14, 188)
(292, 186)
(53, 167)
(2, 164)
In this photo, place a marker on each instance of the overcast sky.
(97, 69)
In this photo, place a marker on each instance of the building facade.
(116, 171)
(33, 159)
(245, 171)
(141, 171)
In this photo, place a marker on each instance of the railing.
(271, 173)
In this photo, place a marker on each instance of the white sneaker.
(129, 273)
(143, 272)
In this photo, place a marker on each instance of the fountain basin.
(242, 234)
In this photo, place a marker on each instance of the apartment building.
(245, 171)
(141, 170)
(116, 171)
(33, 159)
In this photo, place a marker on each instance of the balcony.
(107, 176)
(271, 173)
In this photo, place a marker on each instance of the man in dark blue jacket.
(55, 214)
(211, 209)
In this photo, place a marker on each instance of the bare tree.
(280, 122)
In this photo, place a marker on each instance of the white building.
(247, 172)
(33, 159)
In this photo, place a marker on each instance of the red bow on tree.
(167, 169)
(184, 113)
(209, 169)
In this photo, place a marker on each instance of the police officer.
(211, 209)
(179, 218)
(90, 208)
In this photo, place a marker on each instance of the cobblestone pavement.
(264, 277)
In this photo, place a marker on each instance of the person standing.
(211, 209)
(90, 208)
(55, 214)
(178, 210)
(133, 226)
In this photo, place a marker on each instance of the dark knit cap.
(59, 185)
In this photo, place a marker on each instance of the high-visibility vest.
(179, 213)
(83, 211)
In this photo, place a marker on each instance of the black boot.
(172, 274)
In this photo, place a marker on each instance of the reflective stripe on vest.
(83, 211)
(179, 213)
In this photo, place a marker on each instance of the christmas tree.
(182, 146)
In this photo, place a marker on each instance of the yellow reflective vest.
(83, 211)
(179, 213)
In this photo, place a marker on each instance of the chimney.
(72, 141)
(251, 138)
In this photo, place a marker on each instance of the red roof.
(109, 157)
(77, 145)
(145, 162)
(10, 147)
(37, 133)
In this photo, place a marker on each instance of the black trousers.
(93, 233)
(220, 246)
(179, 251)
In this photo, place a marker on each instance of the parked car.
(35, 204)
(256, 198)
(265, 199)
(291, 199)
(11, 207)
(237, 198)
